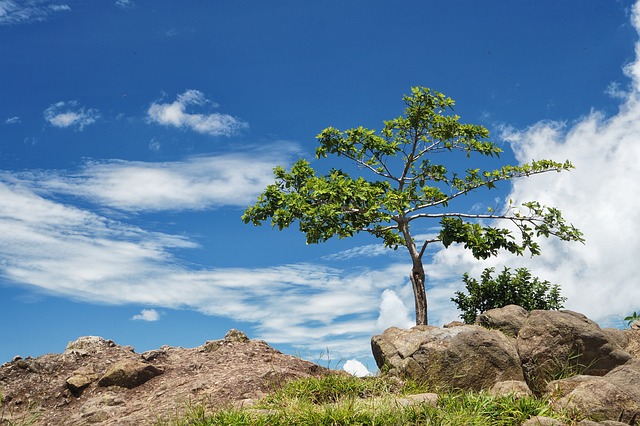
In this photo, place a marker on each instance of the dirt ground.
(65, 389)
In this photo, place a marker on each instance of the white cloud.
(125, 4)
(17, 12)
(147, 315)
(82, 255)
(356, 368)
(174, 114)
(233, 179)
(69, 114)
(599, 197)
(12, 120)
(369, 250)
(393, 312)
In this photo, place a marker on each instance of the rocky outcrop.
(464, 357)
(552, 343)
(96, 381)
(616, 395)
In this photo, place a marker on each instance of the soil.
(71, 389)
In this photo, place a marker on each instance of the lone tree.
(406, 185)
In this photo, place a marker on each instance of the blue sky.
(134, 133)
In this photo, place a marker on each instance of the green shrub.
(508, 288)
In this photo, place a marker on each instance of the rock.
(453, 324)
(465, 357)
(80, 379)
(232, 336)
(604, 423)
(517, 388)
(235, 336)
(430, 399)
(508, 319)
(633, 341)
(614, 396)
(88, 345)
(553, 343)
(128, 374)
(542, 421)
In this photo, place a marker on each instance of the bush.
(508, 288)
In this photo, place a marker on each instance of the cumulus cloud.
(147, 315)
(12, 120)
(17, 12)
(174, 114)
(233, 179)
(356, 368)
(393, 312)
(599, 197)
(70, 114)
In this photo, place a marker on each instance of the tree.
(405, 186)
(506, 289)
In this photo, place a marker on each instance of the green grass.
(345, 400)
(10, 417)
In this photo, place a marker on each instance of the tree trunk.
(419, 292)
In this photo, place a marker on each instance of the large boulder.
(614, 396)
(508, 319)
(556, 343)
(129, 374)
(465, 357)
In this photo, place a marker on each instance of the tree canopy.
(399, 181)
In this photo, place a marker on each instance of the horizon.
(135, 133)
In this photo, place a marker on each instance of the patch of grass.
(347, 400)
(10, 417)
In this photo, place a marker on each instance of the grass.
(346, 400)
(9, 417)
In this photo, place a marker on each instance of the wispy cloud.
(83, 255)
(194, 184)
(125, 4)
(147, 315)
(17, 12)
(12, 120)
(174, 114)
(70, 114)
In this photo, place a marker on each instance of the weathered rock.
(508, 319)
(542, 421)
(613, 396)
(454, 324)
(517, 388)
(87, 345)
(129, 374)
(232, 336)
(565, 342)
(236, 372)
(633, 341)
(465, 357)
(80, 379)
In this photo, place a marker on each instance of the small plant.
(632, 318)
(508, 288)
